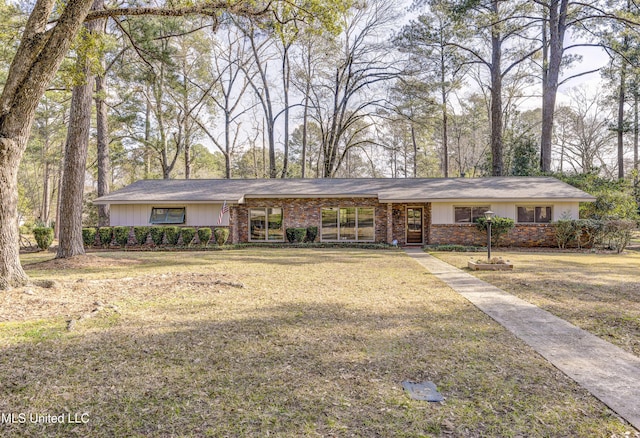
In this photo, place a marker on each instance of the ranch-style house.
(414, 211)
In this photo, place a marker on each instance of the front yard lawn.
(270, 342)
(599, 293)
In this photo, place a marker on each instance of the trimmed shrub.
(204, 234)
(141, 234)
(172, 234)
(618, 233)
(566, 231)
(89, 236)
(105, 234)
(187, 235)
(121, 235)
(312, 233)
(500, 226)
(43, 236)
(157, 233)
(221, 235)
(296, 235)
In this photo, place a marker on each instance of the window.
(534, 215)
(468, 215)
(265, 224)
(167, 215)
(351, 224)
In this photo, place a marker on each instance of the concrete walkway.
(606, 371)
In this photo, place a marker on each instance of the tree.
(435, 61)
(497, 36)
(586, 137)
(76, 148)
(359, 62)
(230, 58)
(43, 46)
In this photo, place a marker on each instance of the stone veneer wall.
(307, 212)
(523, 235)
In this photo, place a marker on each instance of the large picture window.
(265, 224)
(468, 214)
(349, 224)
(167, 215)
(534, 215)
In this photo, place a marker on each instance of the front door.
(414, 225)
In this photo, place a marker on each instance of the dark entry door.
(414, 225)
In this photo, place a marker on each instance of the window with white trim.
(348, 224)
(469, 213)
(265, 224)
(171, 215)
(534, 214)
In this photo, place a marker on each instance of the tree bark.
(104, 164)
(496, 99)
(620, 128)
(636, 134)
(37, 59)
(70, 243)
(557, 17)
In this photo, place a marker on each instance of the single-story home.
(414, 211)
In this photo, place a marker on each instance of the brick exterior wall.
(522, 235)
(307, 213)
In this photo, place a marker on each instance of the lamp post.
(489, 216)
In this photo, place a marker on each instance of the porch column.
(389, 223)
(233, 222)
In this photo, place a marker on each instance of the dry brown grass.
(597, 292)
(316, 343)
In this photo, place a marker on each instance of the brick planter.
(479, 266)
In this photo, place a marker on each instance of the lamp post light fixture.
(489, 217)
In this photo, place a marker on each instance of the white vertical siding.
(442, 212)
(196, 215)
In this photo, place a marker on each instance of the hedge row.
(300, 235)
(172, 236)
(612, 234)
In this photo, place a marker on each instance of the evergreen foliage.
(172, 234)
(43, 236)
(221, 235)
(89, 236)
(105, 235)
(500, 226)
(204, 235)
(187, 235)
(121, 235)
(157, 233)
(141, 234)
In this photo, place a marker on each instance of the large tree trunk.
(75, 160)
(636, 135)
(75, 163)
(37, 59)
(557, 14)
(620, 128)
(496, 101)
(11, 273)
(104, 164)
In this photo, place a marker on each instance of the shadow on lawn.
(293, 369)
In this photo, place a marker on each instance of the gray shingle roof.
(385, 189)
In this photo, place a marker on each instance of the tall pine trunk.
(104, 164)
(553, 50)
(76, 148)
(496, 101)
(620, 128)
